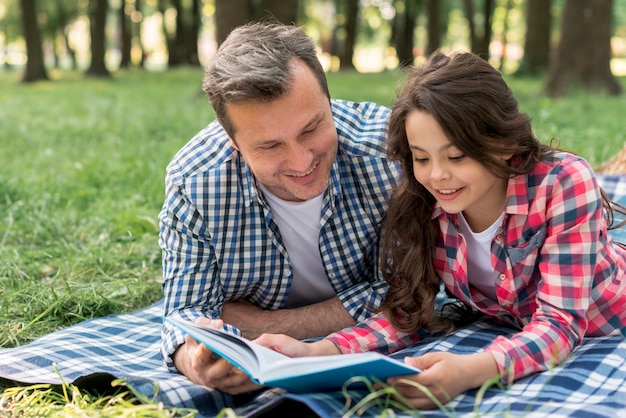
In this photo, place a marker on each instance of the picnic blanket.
(91, 354)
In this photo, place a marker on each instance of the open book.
(297, 374)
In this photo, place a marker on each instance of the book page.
(242, 353)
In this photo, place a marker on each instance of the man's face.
(289, 143)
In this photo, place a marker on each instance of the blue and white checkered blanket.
(591, 383)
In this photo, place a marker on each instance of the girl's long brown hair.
(479, 114)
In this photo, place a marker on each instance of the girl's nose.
(439, 171)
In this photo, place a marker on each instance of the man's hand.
(316, 320)
(202, 367)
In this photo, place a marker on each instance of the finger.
(220, 369)
(424, 361)
(274, 341)
(419, 396)
(202, 356)
(208, 322)
(236, 384)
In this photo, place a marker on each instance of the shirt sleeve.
(365, 298)
(191, 288)
(566, 264)
(373, 334)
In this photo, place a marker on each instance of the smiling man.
(273, 211)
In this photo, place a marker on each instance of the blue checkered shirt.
(220, 242)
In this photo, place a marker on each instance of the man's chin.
(303, 193)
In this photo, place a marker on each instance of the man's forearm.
(316, 320)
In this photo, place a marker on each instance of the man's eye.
(309, 130)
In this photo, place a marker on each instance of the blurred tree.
(228, 15)
(583, 56)
(537, 44)
(137, 32)
(403, 29)
(344, 35)
(126, 33)
(346, 58)
(232, 13)
(433, 14)
(98, 10)
(66, 13)
(35, 67)
(285, 11)
(183, 46)
(480, 36)
(54, 20)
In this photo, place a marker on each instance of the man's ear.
(232, 143)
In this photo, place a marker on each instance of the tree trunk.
(285, 11)
(192, 34)
(177, 43)
(434, 26)
(403, 31)
(347, 54)
(228, 15)
(537, 45)
(63, 30)
(480, 40)
(468, 7)
(97, 26)
(126, 36)
(35, 66)
(583, 56)
(136, 33)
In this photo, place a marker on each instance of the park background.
(96, 96)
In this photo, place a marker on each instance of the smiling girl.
(513, 228)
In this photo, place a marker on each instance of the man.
(272, 212)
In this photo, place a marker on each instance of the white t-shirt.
(479, 271)
(299, 225)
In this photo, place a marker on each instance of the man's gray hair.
(254, 62)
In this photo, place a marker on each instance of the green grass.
(81, 181)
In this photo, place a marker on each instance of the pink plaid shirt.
(558, 276)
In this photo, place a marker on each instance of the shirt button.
(502, 277)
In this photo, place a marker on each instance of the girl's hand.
(443, 377)
(295, 348)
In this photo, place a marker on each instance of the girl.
(514, 229)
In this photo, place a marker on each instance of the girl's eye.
(457, 158)
(420, 160)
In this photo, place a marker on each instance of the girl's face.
(459, 183)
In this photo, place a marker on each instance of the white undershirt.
(299, 225)
(479, 271)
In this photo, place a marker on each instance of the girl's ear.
(506, 157)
